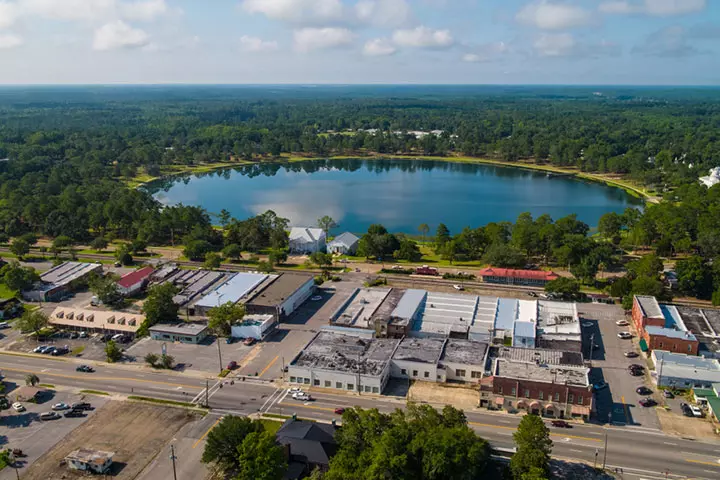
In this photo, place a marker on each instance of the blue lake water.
(400, 194)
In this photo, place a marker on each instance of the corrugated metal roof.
(232, 290)
(524, 274)
(346, 239)
(409, 303)
(506, 313)
(649, 306)
(525, 329)
(133, 278)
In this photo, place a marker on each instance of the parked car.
(635, 372)
(60, 350)
(458, 287)
(40, 348)
(61, 406)
(339, 411)
(83, 334)
(49, 416)
(631, 354)
(532, 294)
(49, 351)
(642, 390)
(230, 340)
(560, 424)
(668, 394)
(4, 325)
(232, 365)
(695, 411)
(622, 323)
(74, 413)
(636, 366)
(81, 406)
(18, 407)
(647, 402)
(84, 368)
(599, 386)
(316, 298)
(249, 341)
(625, 335)
(292, 390)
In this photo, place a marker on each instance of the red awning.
(521, 404)
(535, 405)
(499, 400)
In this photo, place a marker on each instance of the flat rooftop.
(421, 350)
(466, 352)
(233, 290)
(695, 320)
(384, 311)
(688, 366)
(359, 308)
(283, 286)
(713, 318)
(558, 318)
(443, 313)
(670, 332)
(68, 271)
(649, 306)
(346, 353)
(179, 328)
(256, 320)
(563, 375)
(552, 357)
(408, 305)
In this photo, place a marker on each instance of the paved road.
(644, 452)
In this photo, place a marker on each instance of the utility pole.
(173, 457)
(219, 354)
(659, 379)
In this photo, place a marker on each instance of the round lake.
(400, 194)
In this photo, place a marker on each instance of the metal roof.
(232, 290)
(133, 278)
(66, 272)
(306, 234)
(180, 328)
(649, 305)
(670, 332)
(346, 239)
(525, 329)
(409, 304)
(506, 313)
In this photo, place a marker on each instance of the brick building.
(676, 341)
(646, 311)
(661, 327)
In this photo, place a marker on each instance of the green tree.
(99, 244)
(424, 229)
(646, 266)
(32, 321)
(62, 242)
(566, 287)
(534, 446)
(18, 278)
(232, 251)
(224, 218)
(30, 238)
(167, 361)
(442, 235)
(159, 306)
(223, 441)
(326, 223)
(212, 261)
(694, 277)
(278, 256)
(503, 255)
(222, 318)
(322, 260)
(197, 249)
(151, 359)
(408, 251)
(106, 289)
(31, 379)
(261, 458)
(716, 298)
(122, 254)
(112, 351)
(610, 225)
(265, 267)
(20, 248)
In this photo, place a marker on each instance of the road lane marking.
(669, 443)
(106, 379)
(476, 424)
(714, 464)
(327, 409)
(206, 433)
(625, 408)
(272, 362)
(578, 451)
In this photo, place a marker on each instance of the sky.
(621, 42)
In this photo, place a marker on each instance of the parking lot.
(619, 401)
(25, 430)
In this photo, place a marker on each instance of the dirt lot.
(675, 424)
(134, 431)
(459, 396)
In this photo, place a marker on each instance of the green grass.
(77, 351)
(46, 385)
(285, 417)
(271, 426)
(94, 392)
(5, 292)
(163, 402)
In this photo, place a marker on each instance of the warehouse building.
(684, 371)
(417, 359)
(96, 321)
(254, 326)
(134, 282)
(192, 333)
(234, 289)
(358, 309)
(507, 276)
(281, 295)
(705, 325)
(57, 282)
(193, 283)
(464, 360)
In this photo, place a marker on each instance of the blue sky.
(360, 41)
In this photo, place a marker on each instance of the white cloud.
(553, 16)
(255, 44)
(119, 34)
(308, 39)
(378, 47)
(660, 8)
(297, 11)
(93, 10)
(486, 52)
(9, 40)
(144, 11)
(383, 13)
(472, 58)
(423, 37)
(8, 14)
(554, 45)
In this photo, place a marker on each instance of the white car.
(458, 287)
(625, 335)
(18, 407)
(302, 396)
(622, 323)
(61, 406)
(696, 411)
(294, 390)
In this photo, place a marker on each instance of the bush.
(401, 271)
(377, 282)
(459, 276)
(319, 280)
(335, 278)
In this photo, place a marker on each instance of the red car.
(249, 341)
(339, 411)
(232, 365)
(561, 424)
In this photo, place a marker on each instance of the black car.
(81, 406)
(636, 366)
(643, 391)
(85, 368)
(668, 394)
(635, 373)
(647, 402)
(74, 413)
(59, 351)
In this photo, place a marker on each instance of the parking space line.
(272, 362)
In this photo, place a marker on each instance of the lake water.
(400, 194)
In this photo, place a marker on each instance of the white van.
(117, 337)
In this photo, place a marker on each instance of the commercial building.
(96, 321)
(646, 311)
(93, 461)
(662, 327)
(254, 326)
(399, 322)
(358, 309)
(418, 359)
(234, 289)
(464, 360)
(307, 445)
(507, 276)
(305, 240)
(684, 371)
(344, 244)
(705, 325)
(544, 382)
(134, 282)
(61, 280)
(558, 326)
(192, 283)
(281, 295)
(192, 333)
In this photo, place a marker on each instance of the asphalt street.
(646, 453)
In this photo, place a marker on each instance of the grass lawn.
(271, 426)
(5, 292)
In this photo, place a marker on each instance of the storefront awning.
(549, 406)
(580, 410)
(535, 405)
(643, 345)
(499, 400)
(521, 404)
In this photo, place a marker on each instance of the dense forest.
(67, 153)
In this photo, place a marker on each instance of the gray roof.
(557, 374)
(687, 366)
(306, 234)
(670, 332)
(524, 329)
(506, 313)
(280, 288)
(312, 441)
(649, 306)
(465, 352)
(179, 328)
(553, 357)
(232, 290)
(421, 350)
(409, 304)
(346, 239)
(66, 272)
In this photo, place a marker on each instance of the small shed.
(86, 460)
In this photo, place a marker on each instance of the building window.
(328, 383)
(661, 345)
(338, 384)
(580, 400)
(292, 379)
(557, 397)
(459, 373)
(500, 389)
(689, 348)
(414, 373)
(350, 386)
(512, 391)
(376, 390)
(527, 393)
(368, 388)
(427, 374)
(571, 398)
(541, 395)
(474, 374)
(306, 381)
(316, 382)
(403, 371)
